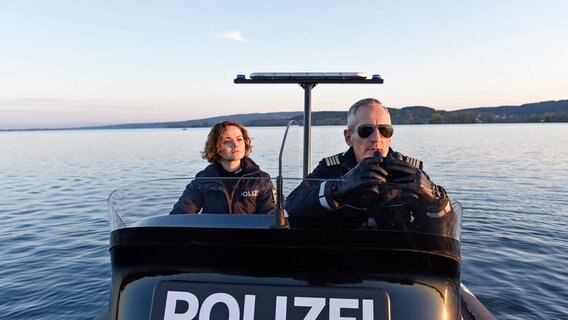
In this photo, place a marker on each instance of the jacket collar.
(249, 167)
(350, 161)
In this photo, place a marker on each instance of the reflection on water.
(510, 180)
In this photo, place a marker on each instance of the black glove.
(367, 173)
(398, 168)
(414, 183)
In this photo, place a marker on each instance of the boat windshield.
(210, 196)
(132, 205)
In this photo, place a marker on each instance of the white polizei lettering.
(336, 304)
(251, 193)
(280, 313)
(316, 306)
(368, 309)
(226, 299)
(248, 309)
(171, 300)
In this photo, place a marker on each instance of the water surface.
(510, 179)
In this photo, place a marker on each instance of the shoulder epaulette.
(332, 161)
(413, 161)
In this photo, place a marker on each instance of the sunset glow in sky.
(80, 63)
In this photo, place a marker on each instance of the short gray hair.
(361, 103)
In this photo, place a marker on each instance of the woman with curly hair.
(233, 183)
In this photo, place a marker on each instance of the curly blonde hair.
(213, 144)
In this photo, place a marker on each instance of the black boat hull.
(406, 276)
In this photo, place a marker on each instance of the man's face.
(365, 147)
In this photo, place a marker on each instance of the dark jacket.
(309, 205)
(251, 193)
(304, 204)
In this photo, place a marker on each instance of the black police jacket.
(309, 205)
(307, 202)
(252, 192)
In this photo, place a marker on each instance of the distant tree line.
(441, 117)
(548, 111)
(488, 117)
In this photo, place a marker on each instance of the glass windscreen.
(260, 195)
(281, 187)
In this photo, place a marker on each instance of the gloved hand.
(414, 183)
(397, 168)
(367, 173)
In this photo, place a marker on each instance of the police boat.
(268, 266)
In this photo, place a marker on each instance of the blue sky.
(76, 63)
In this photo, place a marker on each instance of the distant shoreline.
(283, 125)
(539, 112)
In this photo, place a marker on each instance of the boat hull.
(396, 275)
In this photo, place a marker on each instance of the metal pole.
(307, 125)
(308, 81)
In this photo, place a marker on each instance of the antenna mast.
(308, 80)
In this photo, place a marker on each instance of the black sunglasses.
(365, 130)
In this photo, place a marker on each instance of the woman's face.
(232, 145)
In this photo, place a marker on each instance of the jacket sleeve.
(190, 201)
(305, 201)
(265, 200)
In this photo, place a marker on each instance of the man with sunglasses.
(346, 189)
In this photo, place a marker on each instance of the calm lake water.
(510, 179)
